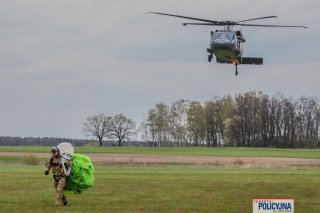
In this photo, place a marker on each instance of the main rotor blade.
(264, 25)
(222, 23)
(257, 18)
(186, 17)
(207, 24)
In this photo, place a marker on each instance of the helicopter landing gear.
(236, 70)
(210, 58)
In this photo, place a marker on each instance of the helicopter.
(227, 44)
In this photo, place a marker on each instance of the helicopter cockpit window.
(223, 35)
(217, 35)
(230, 36)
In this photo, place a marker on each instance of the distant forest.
(252, 119)
(46, 141)
(51, 141)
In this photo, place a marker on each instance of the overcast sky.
(62, 61)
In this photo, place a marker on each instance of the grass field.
(171, 188)
(195, 151)
(154, 189)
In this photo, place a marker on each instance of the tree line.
(53, 141)
(40, 141)
(252, 119)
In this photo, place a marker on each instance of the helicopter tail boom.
(250, 60)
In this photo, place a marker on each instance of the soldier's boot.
(64, 200)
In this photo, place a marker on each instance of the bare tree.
(178, 122)
(308, 122)
(146, 135)
(211, 122)
(158, 122)
(120, 127)
(196, 123)
(96, 126)
(217, 112)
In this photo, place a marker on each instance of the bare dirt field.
(244, 162)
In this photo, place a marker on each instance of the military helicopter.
(227, 44)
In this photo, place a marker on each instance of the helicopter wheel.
(209, 58)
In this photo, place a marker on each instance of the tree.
(308, 122)
(158, 121)
(120, 127)
(247, 119)
(178, 121)
(196, 123)
(146, 135)
(211, 122)
(96, 126)
(217, 112)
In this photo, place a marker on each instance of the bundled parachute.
(80, 175)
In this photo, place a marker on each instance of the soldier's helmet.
(55, 149)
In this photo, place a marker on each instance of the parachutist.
(71, 172)
(59, 176)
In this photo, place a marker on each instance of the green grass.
(162, 188)
(31, 159)
(154, 189)
(10, 159)
(196, 151)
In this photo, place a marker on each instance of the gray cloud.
(61, 61)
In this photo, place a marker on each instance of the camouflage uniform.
(59, 178)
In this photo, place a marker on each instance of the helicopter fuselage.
(226, 45)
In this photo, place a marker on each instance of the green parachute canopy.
(81, 177)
